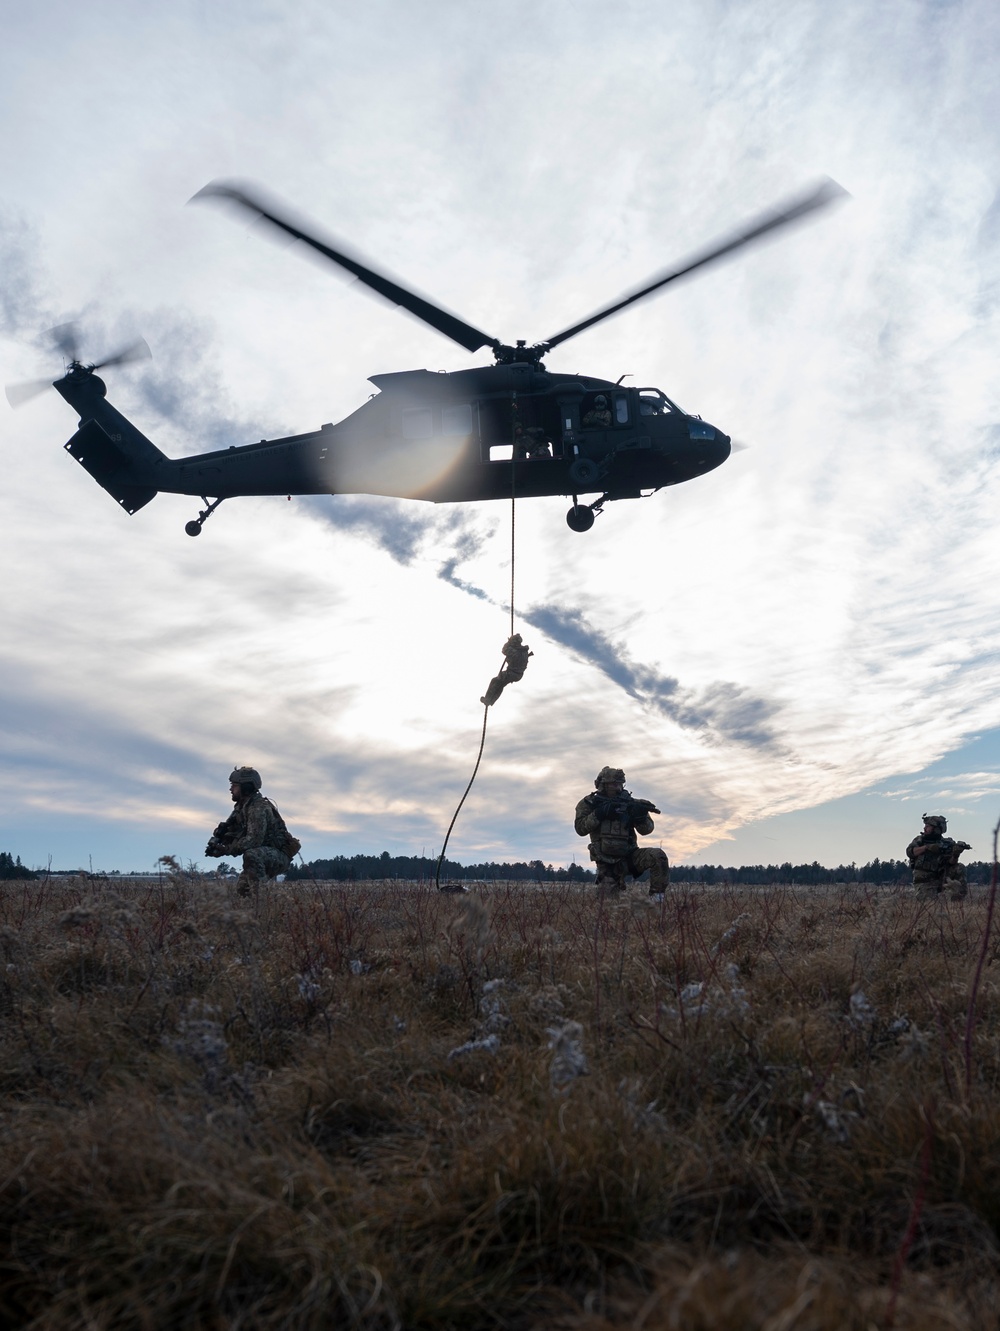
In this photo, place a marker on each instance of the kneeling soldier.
(611, 817)
(256, 830)
(934, 859)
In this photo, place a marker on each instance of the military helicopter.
(512, 429)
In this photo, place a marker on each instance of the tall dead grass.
(380, 1106)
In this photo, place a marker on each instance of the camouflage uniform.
(612, 825)
(516, 655)
(599, 416)
(937, 869)
(955, 882)
(254, 830)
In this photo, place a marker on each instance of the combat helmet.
(608, 774)
(250, 775)
(936, 820)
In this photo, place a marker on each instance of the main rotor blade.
(138, 350)
(19, 394)
(828, 192)
(449, 324)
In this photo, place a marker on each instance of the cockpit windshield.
(653, 402)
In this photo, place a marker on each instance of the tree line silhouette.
(356, 868)
(422, 868)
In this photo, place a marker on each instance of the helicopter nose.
(710, 444)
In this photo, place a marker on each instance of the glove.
(215, 850)
(642, 808)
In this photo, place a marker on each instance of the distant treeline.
(420, 868)
(357, 868)
(11, 868)
(876, 871)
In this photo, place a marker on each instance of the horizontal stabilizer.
(97, 452)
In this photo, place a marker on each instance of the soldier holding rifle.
(611, 817)
(256, 830)
(934, 859)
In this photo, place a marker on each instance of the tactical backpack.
(284, 841)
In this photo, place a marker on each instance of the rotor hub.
(520, 354)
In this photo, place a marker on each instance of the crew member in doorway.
(599, 415)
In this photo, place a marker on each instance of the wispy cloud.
(722, 711)
(395, 526)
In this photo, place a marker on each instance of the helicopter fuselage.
(477, 434)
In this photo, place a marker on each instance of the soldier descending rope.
(515, 664)
(611, 817)
(256, 830)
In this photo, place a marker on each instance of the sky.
(794, 656)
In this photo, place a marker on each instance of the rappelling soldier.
(515, 664)
(256, 830)
(934, 859)
(611, 817)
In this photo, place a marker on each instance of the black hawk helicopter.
(510, 429)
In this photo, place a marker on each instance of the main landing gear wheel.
(580, 517)
(193, 528)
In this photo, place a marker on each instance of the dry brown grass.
(215, 1116)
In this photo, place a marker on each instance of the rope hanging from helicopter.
(515, 653)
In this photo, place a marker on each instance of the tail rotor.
(66, 339)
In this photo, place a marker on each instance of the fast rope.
(515, 653)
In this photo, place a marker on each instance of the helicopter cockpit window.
(457, 420)
(418, 424)
(653, 403)
(621, 409)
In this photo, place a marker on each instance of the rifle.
(624, 809)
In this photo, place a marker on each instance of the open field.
(376, 1105)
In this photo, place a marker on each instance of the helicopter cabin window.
(457, 420)
(418, 424)
(621, 409)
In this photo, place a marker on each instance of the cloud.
(407, 529)
(723, 711)
(20, 283)
(184, 385)
(393, 525)
(847, 566)
(467, 542)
